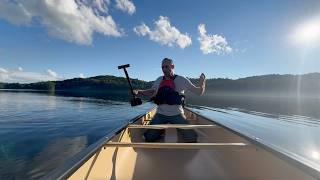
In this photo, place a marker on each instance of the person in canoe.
(168, 93)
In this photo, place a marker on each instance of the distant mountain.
(97, 83)
(285, 84)
(267, 84)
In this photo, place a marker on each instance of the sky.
(44, 40)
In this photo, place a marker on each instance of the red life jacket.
(166, 93)
(168, 82)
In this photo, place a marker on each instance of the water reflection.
(295, 119)
(275, 105)
(39, 132)
(53, 154)
(40, 163)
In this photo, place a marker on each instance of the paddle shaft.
(134, 101)
(127, 76)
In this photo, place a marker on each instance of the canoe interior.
(251, 162)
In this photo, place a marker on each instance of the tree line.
(307, 83)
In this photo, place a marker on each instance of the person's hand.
(136, 92)
(202, 79)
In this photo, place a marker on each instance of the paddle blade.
(136, 102)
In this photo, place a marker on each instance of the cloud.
(164, 33)
(14, 13)
(214, 44)
(72, 20)
(142, 30)
(126, 6)
(52, 73)
(14, 76)
(3, 70)
(81, 75)
(97, 5)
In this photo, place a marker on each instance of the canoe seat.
(167, 126)
(177, 145)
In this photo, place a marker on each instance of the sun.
(307, 33)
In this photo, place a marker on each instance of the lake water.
(39, 131)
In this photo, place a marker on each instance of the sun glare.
(307, 33)
(315, 155)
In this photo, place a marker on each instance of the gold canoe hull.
(219, 154)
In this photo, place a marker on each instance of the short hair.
(167, 60)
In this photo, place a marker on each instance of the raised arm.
(202, 85)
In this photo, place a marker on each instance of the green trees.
(307, 83)
(98, 83)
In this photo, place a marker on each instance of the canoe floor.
(248, 163)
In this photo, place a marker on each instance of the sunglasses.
(166, 66)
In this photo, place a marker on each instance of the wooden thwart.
(177, 145)
(166, 126)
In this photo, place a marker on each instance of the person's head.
(167, 67)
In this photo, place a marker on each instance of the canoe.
(220, 153)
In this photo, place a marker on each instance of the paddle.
(134, 101)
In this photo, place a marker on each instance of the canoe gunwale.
(177, 145)
(174, 126)
(71, 165)
(255, 141)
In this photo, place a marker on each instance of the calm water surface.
(38, 132)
